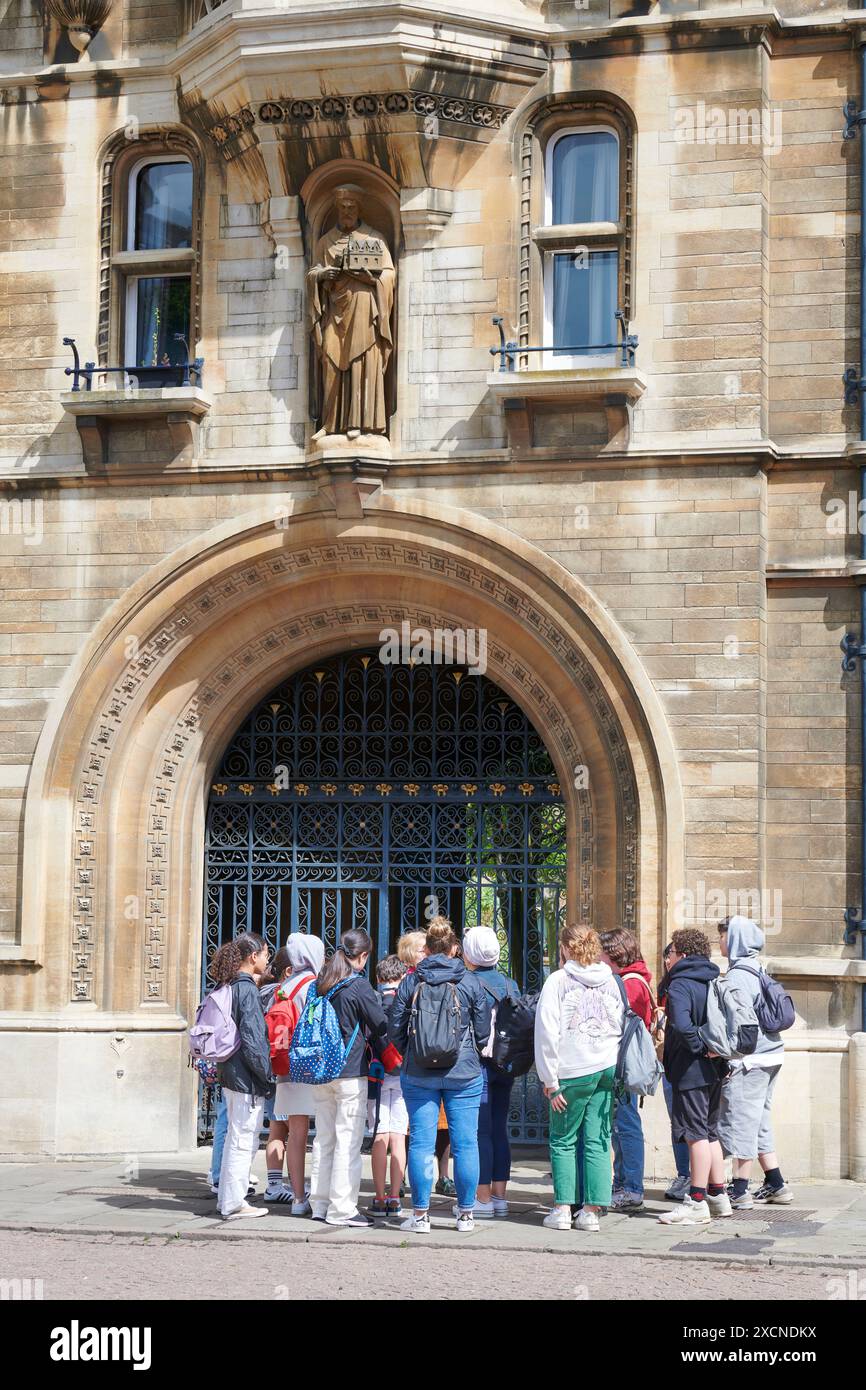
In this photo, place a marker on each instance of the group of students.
(718, 1108)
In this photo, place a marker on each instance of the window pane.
(585, 176)
(162, 309)
(163, 207)
(584, 300)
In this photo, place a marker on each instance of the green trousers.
(588, 1115)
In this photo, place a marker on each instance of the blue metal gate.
(360, 794)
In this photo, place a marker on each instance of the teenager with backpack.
(341, 1103)
(245, 1077)
(696, 1080)
(440, 1023)
(481, 952)
(387, 1115)
(578, 1027)
(621, 952)
(745, 1128)
(678, 1186)
(277, 1189)
(294, 1103)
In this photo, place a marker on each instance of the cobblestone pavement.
(168, 1267)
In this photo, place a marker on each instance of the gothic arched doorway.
(359, 793)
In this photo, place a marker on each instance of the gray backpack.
(637, 1067)
(731, 1029)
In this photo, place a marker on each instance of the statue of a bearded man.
(350, 290)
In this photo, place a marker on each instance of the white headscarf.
(481, 947)
(305, 952)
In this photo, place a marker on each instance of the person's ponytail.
(339, 966)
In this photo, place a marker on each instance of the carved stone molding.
(482, 115)
(294, 636)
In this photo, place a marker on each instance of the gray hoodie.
(743, 978)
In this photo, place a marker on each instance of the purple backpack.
(214, 1036)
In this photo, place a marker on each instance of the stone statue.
(350, 290)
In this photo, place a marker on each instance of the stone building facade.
(658, 539)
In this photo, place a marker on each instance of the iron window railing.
(509, 351)
(184, 373)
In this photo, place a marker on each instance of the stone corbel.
(347, 486)
(424, 213)
(281, 221)
(93, 433)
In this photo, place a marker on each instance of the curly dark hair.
(390, 970)
(688, 941)
(229, 958)
(621, 945)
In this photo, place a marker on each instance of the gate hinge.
(853, 649)
(854, 119)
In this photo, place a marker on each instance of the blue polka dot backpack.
(318, 1053)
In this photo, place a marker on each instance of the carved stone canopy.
(81, 18)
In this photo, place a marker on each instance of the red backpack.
(280, 1020)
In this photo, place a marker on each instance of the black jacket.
(357, 1002)
(249, 1070)
(686, 1063)
(475, 1009)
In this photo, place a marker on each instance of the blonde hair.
(581, 943)
(410, 947)
(440, 938)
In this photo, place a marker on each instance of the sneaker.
(783, 1195)
(627, 1201)
(482, 1211)
(357, 1222)
(245, 1210)
(465, 1223)
(215, 1187)
(558, 1220)
(720, 1205)
(254, 1182)
(679, 1189)
(378, 1207)
(319, 1212)
(279, 1194)
(303, 1208)
(585, 1220)
(500, 1206)
(419, 1222)
(744, 1203)
(446, 1188)
(393, 1206)
(689, 1213)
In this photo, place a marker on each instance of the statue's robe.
(350, 320)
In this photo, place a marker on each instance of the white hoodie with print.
(578, 1023)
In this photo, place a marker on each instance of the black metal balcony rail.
(184, 373)
(508, 352)
(200, 9)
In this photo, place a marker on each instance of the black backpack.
(513, 1049)
(435, 1025)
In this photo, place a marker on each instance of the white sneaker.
(500, 1206)
(482, 1211)
(301, 1208)
(245, 1210)
(688, 1214)
(720, 1205)
(559, 1219)
(627, 1201)
(282, 1193)
(679, 1189)
(465, 1223)
(417, 1223)
(585, 1220)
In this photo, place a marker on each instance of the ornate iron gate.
(371, 795)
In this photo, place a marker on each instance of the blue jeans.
(461, 1110)
(494, 1149)
(681, 1151)
(220, 1130)
(628, 1146)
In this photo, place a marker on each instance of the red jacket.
(638, 991)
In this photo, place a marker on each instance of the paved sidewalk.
(824, 1227)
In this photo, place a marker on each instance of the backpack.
(317, 1053)
(512, 1033)
(435, 1025)
(638, 1069)
(731, 1029)
(281, 1020)
(214, 1036)
(774, 1007)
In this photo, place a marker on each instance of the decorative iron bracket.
(854, 650)
(853, 924)
(854, 119)
(506, 350)
(854, 384)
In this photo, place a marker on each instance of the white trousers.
(245, 1114)
(341, 1112)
